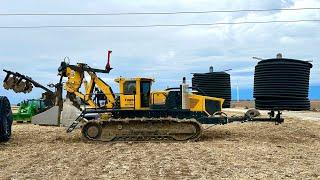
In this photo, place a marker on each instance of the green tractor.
(29, 108)
(5, 119)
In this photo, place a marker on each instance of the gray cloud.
(164, 53)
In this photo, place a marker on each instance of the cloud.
(167, 54)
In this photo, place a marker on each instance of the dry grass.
(250, 150)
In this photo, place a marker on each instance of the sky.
(164, 53)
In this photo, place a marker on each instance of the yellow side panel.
(158, 97)
(196, 102)
(127, 101)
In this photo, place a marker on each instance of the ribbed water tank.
(214, 84)
(282, 84)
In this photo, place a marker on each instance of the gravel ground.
(299, 115)
(315, 104)
(246, 151)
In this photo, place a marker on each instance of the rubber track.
(140, 137)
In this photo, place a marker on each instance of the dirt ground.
(249, 150)
(315, 104)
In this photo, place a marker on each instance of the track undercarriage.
(142, 129)
(165, 128)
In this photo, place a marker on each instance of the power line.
(158, 13)
(158, 25)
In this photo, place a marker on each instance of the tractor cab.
(135, 92)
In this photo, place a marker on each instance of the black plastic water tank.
(282, 84)
(214, 84)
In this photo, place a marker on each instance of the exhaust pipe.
(184, 88)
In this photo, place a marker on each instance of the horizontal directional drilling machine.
(137, 113)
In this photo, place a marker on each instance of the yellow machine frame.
(196, 102)
(135, 93)
(75, 80)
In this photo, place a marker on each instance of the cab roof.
(133, 79)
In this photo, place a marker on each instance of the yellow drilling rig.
(137, 113)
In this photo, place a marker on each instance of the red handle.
(108, 67)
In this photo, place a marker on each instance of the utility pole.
(238, 99)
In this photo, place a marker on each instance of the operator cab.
(135, 92)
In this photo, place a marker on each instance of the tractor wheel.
(5, 119)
